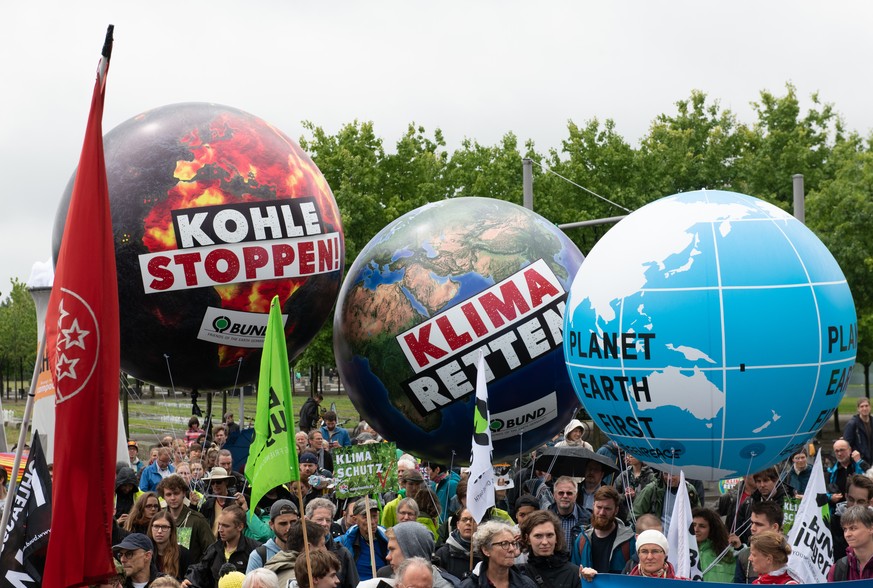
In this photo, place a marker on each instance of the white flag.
(812, 547)
(684, 553)
(480, 486)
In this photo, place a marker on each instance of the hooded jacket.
(454, 556)
(283, 565)
(552, 571)
(124, 502)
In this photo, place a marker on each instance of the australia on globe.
(710, 331)
(430, 293)
(214, 212)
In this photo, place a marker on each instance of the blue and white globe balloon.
(710, 331)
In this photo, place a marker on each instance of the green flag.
(273, 453)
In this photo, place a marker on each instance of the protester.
(232, 547)
(322, 566)
(858, 493)
(232, 427)
(765, 516)
(145, 507)
(606, 547)
(284, 563)
(192, 528)
(647, 522)
(857, 522)
(652, 550)
(411, 481)
(712, 545)
(768, 556)
(631, 482)
(126, 492)
(283, 514)
(357, 542)
(859, 431)
(219, 436)
(218, 498)
(573, 434)
(171, 558)
(415, 572)
(848, 463)
(136, 464)
(137, 559)
(658, 498)
(261, 578)
(454, 556)
(309, 412)
(412, 539)
(155, 472)
(334, 435)
(496, 543)
(548, 560)
(444, 483)
(572, 516)
(321, 512)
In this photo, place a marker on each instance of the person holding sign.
(366, 537)
(768, 555)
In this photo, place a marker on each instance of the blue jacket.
(581, 552)
(151, 477)
(340, 435)
(360, 548)
(445, 491)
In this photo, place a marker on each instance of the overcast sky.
(474, 69)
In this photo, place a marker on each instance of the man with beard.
(548, 563)
(607, 546)
(570, 514)
(282, 514)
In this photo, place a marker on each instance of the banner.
(364, 469)
(684, 553)
(273, 454)
(83, 346)
(812, 547)
(480, 487)
(27, 534)
(621, 581)
(789, 511)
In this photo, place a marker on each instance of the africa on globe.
(214, 212)
(433, 290)
(710, 331)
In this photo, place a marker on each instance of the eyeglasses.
(122, 555)
(466, 520)
(648, 552)
(507, 545)
(153, 506)
(162, 528)
(571, 493)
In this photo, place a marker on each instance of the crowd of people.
(184, 518)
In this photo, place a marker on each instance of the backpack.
(841, 570)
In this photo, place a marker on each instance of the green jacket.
(723, 571)
(651, 499)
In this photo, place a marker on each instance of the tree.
(17, 332)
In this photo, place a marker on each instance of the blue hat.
(308, 457)
(135, 541)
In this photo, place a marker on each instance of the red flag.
(82, 343)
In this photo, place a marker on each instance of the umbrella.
(238, 444)
(571, 461)
(8, 459)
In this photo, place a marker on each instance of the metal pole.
(799, 198)
(22, 435)
(527, 182)
(242, 407)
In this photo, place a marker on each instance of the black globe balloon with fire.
(214, 212)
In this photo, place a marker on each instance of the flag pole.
(22, 436)
(305, 535)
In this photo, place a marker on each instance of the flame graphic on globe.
(214, 212)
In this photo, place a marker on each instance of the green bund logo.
(496, 425)
(221, 324)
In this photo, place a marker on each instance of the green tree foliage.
(17, 332)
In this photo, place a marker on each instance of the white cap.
(653, 537)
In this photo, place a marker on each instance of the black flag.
(27, 534)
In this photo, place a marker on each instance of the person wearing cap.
(217, 498)
(652, 549)
(308, 463)
(232, 547)
(411, 481)
(283, 514)
(137, 557)
(232, 580)
(136, 464)
(356, 538)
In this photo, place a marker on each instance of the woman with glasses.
(495, 541)
(454, 555)
(652, 550)
(548, 561)
(171, 558)
(145, 507)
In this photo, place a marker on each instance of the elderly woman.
(495, 540)
(768, 556)
(652, 550)
(548, 561)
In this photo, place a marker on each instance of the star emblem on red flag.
(76, 345)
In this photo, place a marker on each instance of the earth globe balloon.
(214, 211)
(710, 331)
(431, 292)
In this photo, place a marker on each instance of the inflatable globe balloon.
(710, 331)
(433, 291)
(214, 212)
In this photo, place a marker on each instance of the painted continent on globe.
(414, 313)
(710, 331)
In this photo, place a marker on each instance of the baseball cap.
(361, 506)
(132, 444)
(134, 541)
(413, 475)
(282, 507)
(308, 457)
